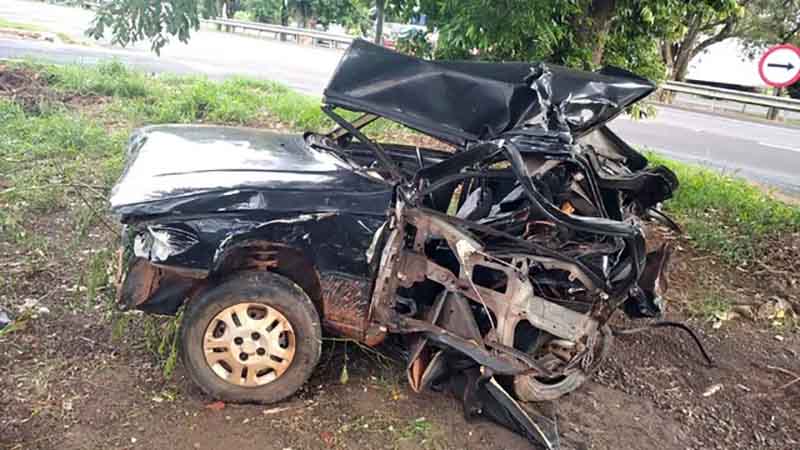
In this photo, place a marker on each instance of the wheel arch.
(263, 255)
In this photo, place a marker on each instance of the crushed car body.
(500, 262)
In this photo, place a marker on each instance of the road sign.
(780, 66)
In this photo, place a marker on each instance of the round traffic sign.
(780, 66)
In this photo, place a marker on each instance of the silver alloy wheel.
(249, 344)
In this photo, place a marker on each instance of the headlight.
(158, 243)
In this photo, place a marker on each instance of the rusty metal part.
(249, 344)
(572, 369)
(158, 289)
(502, 363)
(345, 307)
(139, 283)
(508, 305)
(255, 254)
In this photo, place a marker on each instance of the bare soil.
(68, 384)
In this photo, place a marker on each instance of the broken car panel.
(500, 263)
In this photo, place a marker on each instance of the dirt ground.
(68, 384)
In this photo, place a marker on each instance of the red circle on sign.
(764, 60)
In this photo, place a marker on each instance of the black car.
(499, 263)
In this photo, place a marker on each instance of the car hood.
(198, 169)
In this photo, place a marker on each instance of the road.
(766, 153)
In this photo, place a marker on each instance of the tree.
(578, 33)
(756, 23)
(794, 90)
(131, 21)
(699, 25)
(771, 22)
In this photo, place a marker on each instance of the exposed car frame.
(501, 262)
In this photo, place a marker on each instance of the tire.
(531, 389)
(251, 291)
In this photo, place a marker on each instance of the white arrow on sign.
(780, 66)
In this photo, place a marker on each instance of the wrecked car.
(499, 261)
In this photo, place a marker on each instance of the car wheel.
(254, 338)
(531, 388)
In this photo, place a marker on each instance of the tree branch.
(790, 34)
(724, 33)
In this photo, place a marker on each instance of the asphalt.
(769, 154)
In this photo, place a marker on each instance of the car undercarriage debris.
(500, 263)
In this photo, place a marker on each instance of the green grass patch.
(5, 23)
(726, 214)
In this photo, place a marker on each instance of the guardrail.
(747, 98)
(316, 38)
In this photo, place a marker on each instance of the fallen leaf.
(328, 438)
(216, 406)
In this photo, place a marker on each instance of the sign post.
(779, 67)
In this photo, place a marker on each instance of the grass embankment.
(63, 131)
(727, 215)
(5, 23)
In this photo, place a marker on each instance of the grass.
(727, 215)
(5, 23)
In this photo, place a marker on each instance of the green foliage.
(771, 22)
(266, 11)
(415, 42)
(41, 153)
(161, 335)
(107, 79)
(352, 14)
(725, 214)
(131, 21)
(96, 276)
(519, 30)
(572, 33)
(794, 90)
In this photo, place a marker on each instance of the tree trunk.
(681, 67)
(220, 12)
(303, 6)
(379, 4)
(284, 17)
(230, 9)
(594, 31)
(601, 12)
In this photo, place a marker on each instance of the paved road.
(766, 153)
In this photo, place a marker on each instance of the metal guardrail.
(322, 38)
(747, 98)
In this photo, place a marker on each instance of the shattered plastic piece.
(713, 389)
(5, 320)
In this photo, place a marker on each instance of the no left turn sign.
(780, 66)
